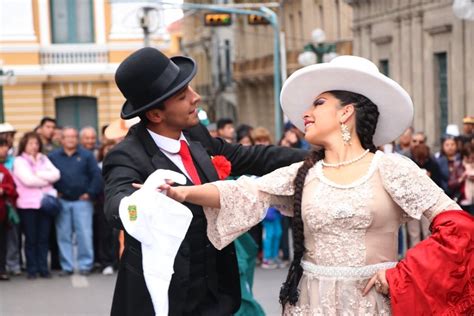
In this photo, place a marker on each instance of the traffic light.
(257, 20)
(217, 19)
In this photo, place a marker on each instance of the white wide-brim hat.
(353, 74)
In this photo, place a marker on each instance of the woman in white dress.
(347, 199)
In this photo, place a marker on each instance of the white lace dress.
(351, 231)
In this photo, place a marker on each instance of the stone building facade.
(253, 66)
(422, 45)
(248, 98)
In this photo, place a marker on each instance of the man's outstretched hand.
(175, 193)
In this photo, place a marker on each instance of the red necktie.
(188, 162)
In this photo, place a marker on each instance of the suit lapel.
(158, 159)
(203, 161)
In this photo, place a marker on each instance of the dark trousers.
(53, 247)
(469, 208)
(285, 244)
(3, 246)
(106, 251)
(36, 227)
(103, 237)
(257, 234)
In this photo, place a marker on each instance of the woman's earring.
(346, 134)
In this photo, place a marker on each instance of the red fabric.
(188, 162)
(9, 192)
(437, 276)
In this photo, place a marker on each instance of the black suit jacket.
(132, 161)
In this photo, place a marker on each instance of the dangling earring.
(346, 134)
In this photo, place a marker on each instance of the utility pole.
(145, 24)
(270, 16)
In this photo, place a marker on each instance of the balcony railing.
(73, 54)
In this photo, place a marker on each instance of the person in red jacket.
(7, 195)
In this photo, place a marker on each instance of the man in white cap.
(169, 136)
(7, 133)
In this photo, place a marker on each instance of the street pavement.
(90, 296)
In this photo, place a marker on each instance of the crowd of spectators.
(65, 163)
(451, 168)
(51, 202)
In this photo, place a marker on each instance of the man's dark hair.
(223, 122)
(47, 119)
(104, 127)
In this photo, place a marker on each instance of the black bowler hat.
(147, 77)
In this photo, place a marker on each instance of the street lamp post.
(145, 24)
(318, 51)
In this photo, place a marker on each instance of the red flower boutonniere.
(222, 165)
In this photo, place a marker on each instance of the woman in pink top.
(34, 175)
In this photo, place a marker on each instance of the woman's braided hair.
(366, 115)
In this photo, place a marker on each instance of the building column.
(405, 53)
(366, 48)
(44, 22)
(428, 90)
(417, 70)
(99, 22)
(469, 68)
(357, 41)
(396, 51)
(456, 74)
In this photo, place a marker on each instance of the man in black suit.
(205, 281)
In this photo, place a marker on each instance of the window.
(72, 21)
(76, 112)
(441, 89)
(384, 67)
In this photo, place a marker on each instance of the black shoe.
(64, 273)
(4, 277)
(31, 276)
(46, 275)
(84, 272)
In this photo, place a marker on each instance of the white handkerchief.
(160, 224)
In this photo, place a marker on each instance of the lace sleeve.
(412, 189)
(245, 201)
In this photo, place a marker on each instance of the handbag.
(50, 205)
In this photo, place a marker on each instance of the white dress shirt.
(170, 147)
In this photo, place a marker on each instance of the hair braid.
(289, 291)
(366, 122)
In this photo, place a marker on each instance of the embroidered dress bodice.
(349, 225)
(352, 225)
